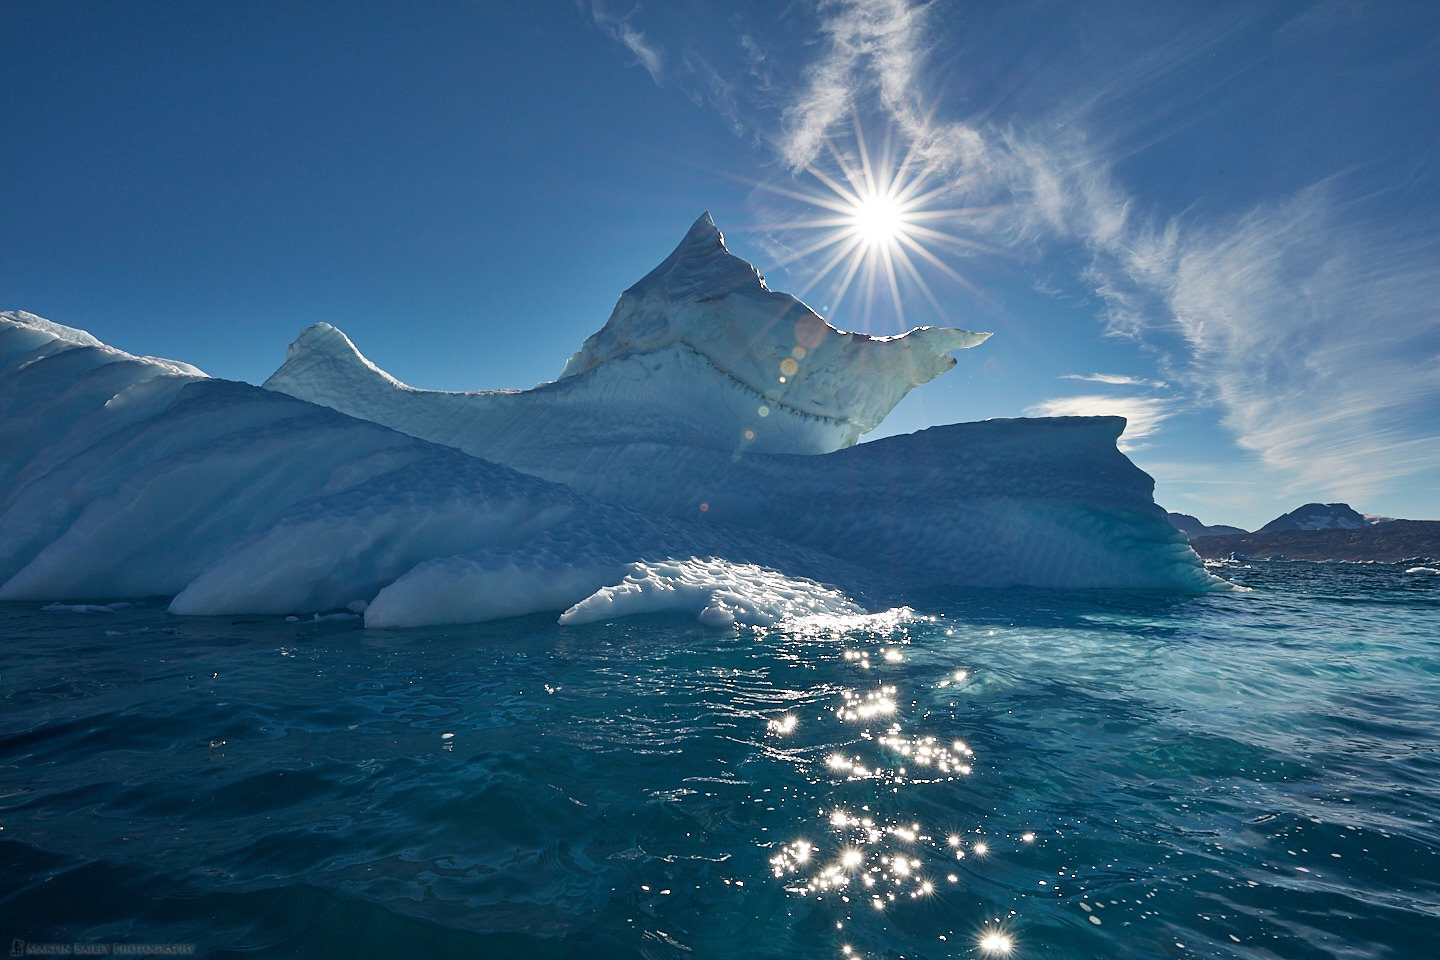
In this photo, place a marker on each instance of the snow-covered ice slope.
(41, 402)
(700, 352)
(237, 499)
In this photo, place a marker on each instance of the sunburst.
(884, 219)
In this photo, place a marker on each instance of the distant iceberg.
(698, 453)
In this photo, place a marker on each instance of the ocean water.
(986, 774)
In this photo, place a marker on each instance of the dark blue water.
(1062, 775)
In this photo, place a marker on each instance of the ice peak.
(323, 355)
(700, 266)
(704, 298)
(704, 235)
(322, 343)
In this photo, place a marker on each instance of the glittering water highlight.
(968, 775)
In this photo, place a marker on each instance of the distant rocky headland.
(1388, 542)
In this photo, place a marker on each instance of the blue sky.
(1219, 220)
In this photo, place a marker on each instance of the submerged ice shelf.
(697, 452)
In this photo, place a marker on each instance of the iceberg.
(697, 454)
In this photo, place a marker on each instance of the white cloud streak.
(1315, 333)
(873, 47)
(1116, 379)
(647, 54)
(1318, 337)
(1143, 415)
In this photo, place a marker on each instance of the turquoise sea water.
(1059, 775)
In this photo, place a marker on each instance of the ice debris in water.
(84, 607)
(719, 593)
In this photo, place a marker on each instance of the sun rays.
(882, 223)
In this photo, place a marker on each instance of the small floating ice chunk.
(84, 607)
(719, 593)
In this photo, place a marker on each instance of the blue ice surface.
(1086, 774)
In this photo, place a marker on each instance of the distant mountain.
(1318, 531)
(1321, 516)
(1192, 527)
(1388, 542)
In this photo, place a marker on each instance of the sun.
(882, 218)
(879, 221)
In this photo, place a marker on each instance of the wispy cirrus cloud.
(1143, 415)
(1116, 380)
(622, 31)
(1316, 334)
(879, 48)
